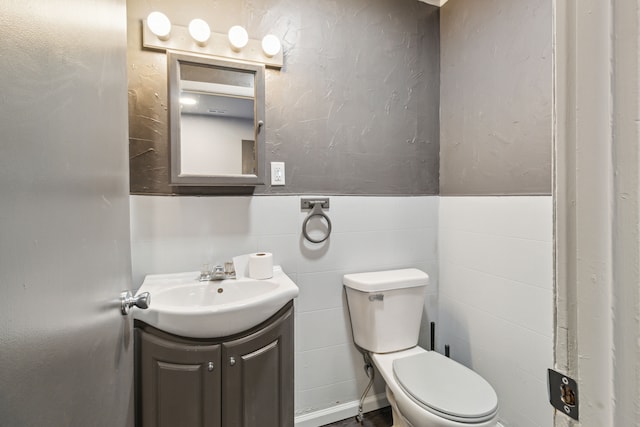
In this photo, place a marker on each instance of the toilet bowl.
(431, 390)
(425, 389)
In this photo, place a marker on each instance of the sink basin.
(182, 305)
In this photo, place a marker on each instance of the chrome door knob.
(127, 300)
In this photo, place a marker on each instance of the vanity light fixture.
(238, 37)
(270, 45)
(159, 34)
(159, 24)
(199, 31)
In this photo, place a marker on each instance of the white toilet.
(425, 388)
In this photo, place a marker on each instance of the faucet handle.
(229, 268)
(205, 273)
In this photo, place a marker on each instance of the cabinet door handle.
(210, 366)
(232, 361)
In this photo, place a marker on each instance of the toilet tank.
(386, 308)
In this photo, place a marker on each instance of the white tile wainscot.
(173, 234)
(496, 297)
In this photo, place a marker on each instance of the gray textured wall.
(353, 111)
(496, 97)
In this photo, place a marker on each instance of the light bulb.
(270, 45)
(187, 101)
(238, 37)
(199, 30)
(159, 25)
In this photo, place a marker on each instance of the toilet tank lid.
(376, 281)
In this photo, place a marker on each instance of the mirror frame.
(174, 59)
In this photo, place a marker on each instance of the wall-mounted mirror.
(216, 121)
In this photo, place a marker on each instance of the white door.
(66, 352)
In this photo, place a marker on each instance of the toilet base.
(398, 420)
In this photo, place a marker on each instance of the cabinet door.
(179, 384)
(257, 380)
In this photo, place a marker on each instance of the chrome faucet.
(218, 273)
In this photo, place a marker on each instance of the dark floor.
(380, 418)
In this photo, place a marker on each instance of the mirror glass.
(216, 119)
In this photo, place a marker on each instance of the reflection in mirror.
(215, 107)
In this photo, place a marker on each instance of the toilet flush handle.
(376, 297)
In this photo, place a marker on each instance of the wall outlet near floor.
(277, 173)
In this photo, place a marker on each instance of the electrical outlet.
(277, 173)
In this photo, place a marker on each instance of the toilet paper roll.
(261, 265)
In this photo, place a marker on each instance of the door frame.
(596, 209)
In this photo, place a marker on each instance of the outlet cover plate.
(277, 173)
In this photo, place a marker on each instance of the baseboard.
(340, 412)
(344, 411)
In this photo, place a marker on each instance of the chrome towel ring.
(316, 206)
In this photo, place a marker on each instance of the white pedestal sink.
(183, 305)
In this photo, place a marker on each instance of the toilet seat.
(417, 414)
(445, 387)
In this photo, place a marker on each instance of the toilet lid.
(446, 387)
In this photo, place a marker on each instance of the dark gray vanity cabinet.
(180, 383)
(245, 380)
(257, 380)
